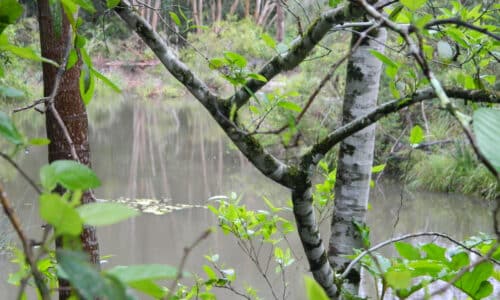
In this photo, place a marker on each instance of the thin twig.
(325, 79)
(21, 171)
(187, 251)
(16, 223)
(35, 103)
(459, 22)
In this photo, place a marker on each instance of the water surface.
(172, 150)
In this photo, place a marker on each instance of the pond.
(171, 150)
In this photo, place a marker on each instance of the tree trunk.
(310, 238)
(247, 8)
(71, 109)
(280, 21)
(355, 155)
(233, 8)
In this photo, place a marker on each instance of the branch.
(328, 76)
(187, 251)
(459, 22)
(298, 51)
(164, 53)
(21, 171)
(14, 220)
(321, 148)
(411, 236)
(218, 108)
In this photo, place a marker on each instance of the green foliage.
(421, 265)
(235, 71)
(250, 228)
(9, 131)
(314, 290)
(416, 135)
(486, 128)
(457, 171)
(99, 214)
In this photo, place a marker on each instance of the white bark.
(355, 155)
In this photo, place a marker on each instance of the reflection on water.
(172, 150)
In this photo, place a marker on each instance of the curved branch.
(218, 108)
(164, 53)
(299, 50)
(459, 22)
(321, 148)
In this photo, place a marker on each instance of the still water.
(172, 150)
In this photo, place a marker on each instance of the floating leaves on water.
(155, 206)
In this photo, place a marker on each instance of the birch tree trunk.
(355, 155)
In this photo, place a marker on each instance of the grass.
(454, 171)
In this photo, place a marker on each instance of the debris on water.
(155, 206)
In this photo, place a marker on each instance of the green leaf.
(57, 212)
(27, 53)
(459, 260)
(138, 273)
(10, 92)
(434, 252)
(86, 5)
(268, 40)
(175, 18)
(84, 278)
(486, 124)
(10, 11)
(72, 59)
(398, 279)
(149, 288)
(48, 177)
(378, 168)
(413, 4)
(75, 176)
(395, 12)
(39, 141)
(474, 283)
(407, 250)
(416, 135)
(290, 106)
(99, 214)
(426, 267)
(217, 62)
(9, 131)
(384, 59)
(210, 273)
(334, 3)
(235, 59)
(257, 76)
(314, 290)
(86, 84)
(112, 3)
(106, 80)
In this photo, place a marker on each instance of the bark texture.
(307, 227)
(70, 107)
(355, 155)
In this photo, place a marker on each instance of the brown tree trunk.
(71, 109)
(280, 22)
(247, 8)
(233, 8)
(219, 11)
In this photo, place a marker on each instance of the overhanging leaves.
(487, 129)
(99, 214)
